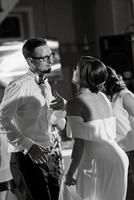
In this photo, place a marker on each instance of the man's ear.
(32, 67)
(29, 61)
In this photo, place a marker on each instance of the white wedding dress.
(102, 172)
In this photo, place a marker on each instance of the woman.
(122, 101)
(7, 185)
(102, 165)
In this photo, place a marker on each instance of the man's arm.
(8, 109)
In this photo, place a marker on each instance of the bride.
(101, 164)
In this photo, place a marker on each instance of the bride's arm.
(76, 157)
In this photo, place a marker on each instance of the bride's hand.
(70, 180)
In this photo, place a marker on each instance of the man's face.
(42, 59)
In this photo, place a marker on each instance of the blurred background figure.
(122, 100)
(6, 181)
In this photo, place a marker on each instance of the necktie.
(45, 89)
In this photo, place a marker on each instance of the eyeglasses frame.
(44, 58)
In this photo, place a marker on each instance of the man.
(25, 116)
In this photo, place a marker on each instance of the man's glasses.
(45, 58)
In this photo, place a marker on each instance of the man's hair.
(31, 44)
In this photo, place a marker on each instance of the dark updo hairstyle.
(93, 73)
(31, 44)
(114, 83)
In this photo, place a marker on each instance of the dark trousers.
(131, 164)
(33, 181)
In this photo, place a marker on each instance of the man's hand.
(58, 103)
(37, 154)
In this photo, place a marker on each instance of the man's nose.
(49, 60)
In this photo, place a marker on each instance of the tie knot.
(41, 79)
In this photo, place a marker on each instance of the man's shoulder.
(22, 80)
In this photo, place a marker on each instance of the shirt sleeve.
(8, 109)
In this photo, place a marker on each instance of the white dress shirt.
(25, 112)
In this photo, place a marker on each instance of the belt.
(7, 185)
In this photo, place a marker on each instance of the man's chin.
(47, 71)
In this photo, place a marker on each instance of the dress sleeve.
(76, 122)
(78, 128)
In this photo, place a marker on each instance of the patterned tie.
(45, 89)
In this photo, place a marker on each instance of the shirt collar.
(36, 76)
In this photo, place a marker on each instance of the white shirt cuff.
(26, 145)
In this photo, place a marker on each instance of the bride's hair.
(93, 73)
